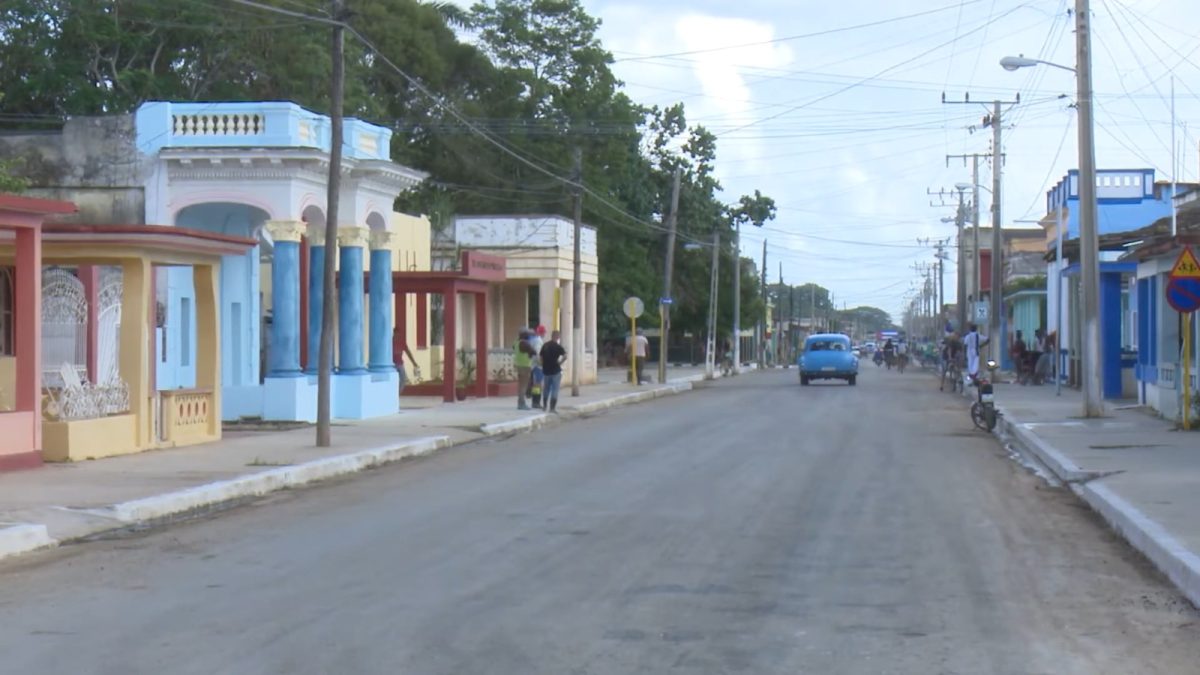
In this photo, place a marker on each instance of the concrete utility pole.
(710, 358)
(737, 297)
(578, 309)
(762, 319)
(325, 346)
(664, 303)
(973, 284)
(959, 222)
(1089, 245)
(997, 241)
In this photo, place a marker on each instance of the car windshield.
(826, 346)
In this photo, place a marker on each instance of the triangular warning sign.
(1186, 266)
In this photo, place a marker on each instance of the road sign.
(1183, 284)
(634, 307)
(665, 301)
(981, 311)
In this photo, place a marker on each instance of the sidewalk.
(1134, 469)
(62, 502)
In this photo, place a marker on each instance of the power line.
(872, 77)
(789, 38)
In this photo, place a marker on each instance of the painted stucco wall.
(8, 381)
(90, 161)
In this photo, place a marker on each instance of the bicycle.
(952, 370)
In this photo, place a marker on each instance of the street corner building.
(179, 282)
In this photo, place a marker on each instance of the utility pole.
(973, 288)
(997, 125)
(577, 308)
(325, 346)
(664, 304)
(995, 121)
(737, 297)
(779, 351)
(710, 359)
(1093, 385)
(762, 319)
(960, 215)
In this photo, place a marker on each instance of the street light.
(1089, 248)
(1011, 63)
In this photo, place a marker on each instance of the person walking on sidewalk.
(974, 342)
(553, 355)
(523, 361)
(638, 346)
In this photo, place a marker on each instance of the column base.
(241, 401)
(290, 398)
(362, 395)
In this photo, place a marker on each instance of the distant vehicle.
(827, 356)
(870, 347)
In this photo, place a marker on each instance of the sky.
(835, 111)
(847, 131)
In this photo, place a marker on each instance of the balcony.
(268, 124)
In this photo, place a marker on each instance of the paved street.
(753, 526)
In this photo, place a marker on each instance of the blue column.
(350, 301)
(1110, 332)
(381, 304)
(316, 299)
(284, 356)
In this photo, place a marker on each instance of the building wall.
(91, 161)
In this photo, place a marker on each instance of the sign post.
(1183, 294)
(633, 307)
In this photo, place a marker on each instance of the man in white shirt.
(973, 341)
(638, 346)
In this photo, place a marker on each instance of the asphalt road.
(752, 527)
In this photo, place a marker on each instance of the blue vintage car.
(827, 356)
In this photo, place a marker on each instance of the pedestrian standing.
(534, 391)
(523, 361)
(401, 367)
(973, 341)
(638, 346)
(553, 355)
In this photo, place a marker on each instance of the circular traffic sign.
(1183, 294)
(634, 307)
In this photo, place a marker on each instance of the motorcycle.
(878, 358)
(983, 409)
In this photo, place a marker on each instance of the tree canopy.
(491, 101)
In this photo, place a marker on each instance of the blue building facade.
(258, 170)
(1127, 200)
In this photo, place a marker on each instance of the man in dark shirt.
(553, 356)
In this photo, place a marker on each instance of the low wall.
(89, 439)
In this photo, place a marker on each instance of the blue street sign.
(1183, 294)
(665, 301)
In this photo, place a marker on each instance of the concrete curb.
(514, 426)
(1168, 554)
(1062, 467)
(17, 538)
(258, 484)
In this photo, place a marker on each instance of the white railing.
(221, 124)
(1166, 376)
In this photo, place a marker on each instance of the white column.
(546, 302)
(589, 319)
(567, 322)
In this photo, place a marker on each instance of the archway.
(242, 345)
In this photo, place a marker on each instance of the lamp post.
(996, 273)
(1089, 249)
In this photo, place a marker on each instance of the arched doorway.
(242, 345)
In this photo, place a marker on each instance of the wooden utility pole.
(664, 303)
(577, 284)
(325, 349)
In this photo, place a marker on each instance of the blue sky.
(846, 131)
